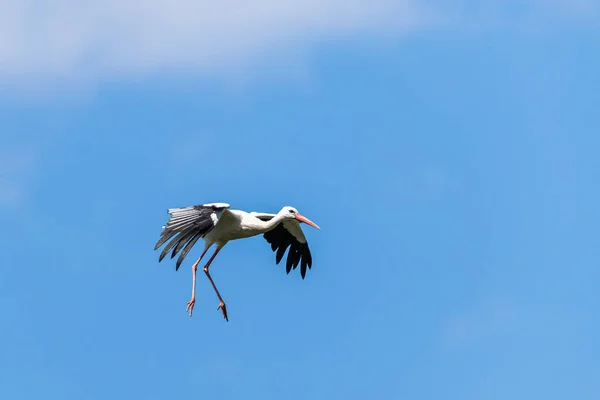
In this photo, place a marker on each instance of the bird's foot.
(223, 309)
(190, 306)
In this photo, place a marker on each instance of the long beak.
(302, 218)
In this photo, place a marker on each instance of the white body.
(236, 224)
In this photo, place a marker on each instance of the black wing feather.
(186, 250)
(170, 245)
(299, 253)
(166, 235)
(182, 242)
(280, 253)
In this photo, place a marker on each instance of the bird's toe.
(190, 306)
(223, 309)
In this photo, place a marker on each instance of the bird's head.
(291, 213)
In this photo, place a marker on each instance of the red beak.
(302, 218)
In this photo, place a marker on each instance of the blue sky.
(452, 168)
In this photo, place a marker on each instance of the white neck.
(265, 226)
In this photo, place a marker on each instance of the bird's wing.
(288, 234)
(262, 216)
(186, 225)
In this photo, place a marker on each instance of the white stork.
(217, 224)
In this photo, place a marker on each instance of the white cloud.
(66, 41)
(70, 38)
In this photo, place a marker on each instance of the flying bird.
(217, 225)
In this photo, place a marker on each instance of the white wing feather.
(291, 225)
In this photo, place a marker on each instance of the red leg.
(190, 304)
(221, 306)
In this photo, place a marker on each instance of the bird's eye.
(292, 211)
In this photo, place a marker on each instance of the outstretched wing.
(186, 225)
(288, 234)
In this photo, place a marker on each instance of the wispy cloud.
(68, 41)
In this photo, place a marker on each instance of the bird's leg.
(190, 304)
(221, 306)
